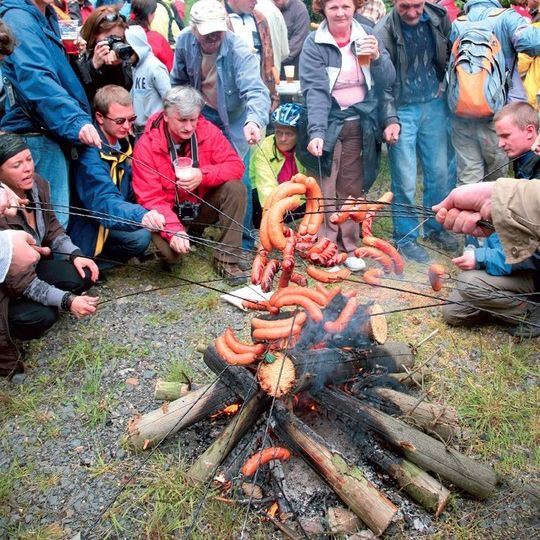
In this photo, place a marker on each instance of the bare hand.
(180, 243)
(23, 254)
(9, 202)
(82, 306)
(464, 207)
(103, 55)
(89, 135)
(536, 145)
(391, 133)
(315, 147)
(467, 261)
(370, 45)
(190, 181)
(80, 263)
(153, 221)
(252, 133)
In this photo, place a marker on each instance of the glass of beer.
(182, 168)
(364, 58)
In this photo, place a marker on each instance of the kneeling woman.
(274, 161)
(30, 301)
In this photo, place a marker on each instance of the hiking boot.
(530, 327)
(413, 252)
(444, 240)
(230, 272)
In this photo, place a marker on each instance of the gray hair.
(186, 100)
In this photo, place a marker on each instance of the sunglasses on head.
(120, 121)
(112, 17)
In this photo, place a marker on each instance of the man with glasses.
(103, 186)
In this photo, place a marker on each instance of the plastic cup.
(289, 73)
(182, 168)
(364, 59)
(69, 32)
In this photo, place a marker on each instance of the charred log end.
(277, 378)
(376, 325)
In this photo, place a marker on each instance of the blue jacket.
(514, 33)
(95, 190)
(41, 77)
(241, 93)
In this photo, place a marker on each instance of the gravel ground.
(62, 450)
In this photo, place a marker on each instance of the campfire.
(320, 349)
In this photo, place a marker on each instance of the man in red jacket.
(207, 192)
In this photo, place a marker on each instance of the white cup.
(289, 73)
(182, 168)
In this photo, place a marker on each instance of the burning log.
(430, 417)
(169, 390)
(144, 431)
(428, 453)
(348, 481)
(409, 379)
(421, 486)
(277, 378)
(206, 463)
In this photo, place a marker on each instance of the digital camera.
(120, 47)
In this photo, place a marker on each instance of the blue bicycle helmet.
(287, 114)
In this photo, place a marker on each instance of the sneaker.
(230, 272)
(530, 327)
(413, 252)
(444, 240)
(355, 264)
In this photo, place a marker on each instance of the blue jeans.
(122, 245)
(423, 131)
(51, 163)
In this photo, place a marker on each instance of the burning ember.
(230, 410)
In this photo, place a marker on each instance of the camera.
(187, 211)
(120, 47)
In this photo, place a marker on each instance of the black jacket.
(388, 29)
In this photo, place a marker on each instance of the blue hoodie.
(42, 79)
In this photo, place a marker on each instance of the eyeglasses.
(120, 121)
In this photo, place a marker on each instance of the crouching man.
(207, 192)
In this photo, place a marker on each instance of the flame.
(230, 410)
(272, 511)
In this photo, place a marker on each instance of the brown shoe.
(231, 272)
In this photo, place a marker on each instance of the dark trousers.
(30, 320)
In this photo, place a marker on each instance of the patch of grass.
(9, 477)
(178, 371)
(499, 402)
(161, 319)
(94, 401)
(207, 302)
(49, 532)
(86, 350)
(167, 502)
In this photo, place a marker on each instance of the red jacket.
(218, 163)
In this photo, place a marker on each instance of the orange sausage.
(373, 276)
(342, 215)
(274, 222)
(238, 347)
(271, 334)
(313, 218)
(287, 262)
(316, 296)
(337, 259)
(435, 273)
(262, 305)
(377, 255)
(304, 242)
(343, 319)
(263, 457)
(318, 248)
(232, 358)
(328, 254)
(298, 279)
(328, 277)
(269, 272)
(387, 248)
(258, 265)
(298, 299)
(299, 318)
